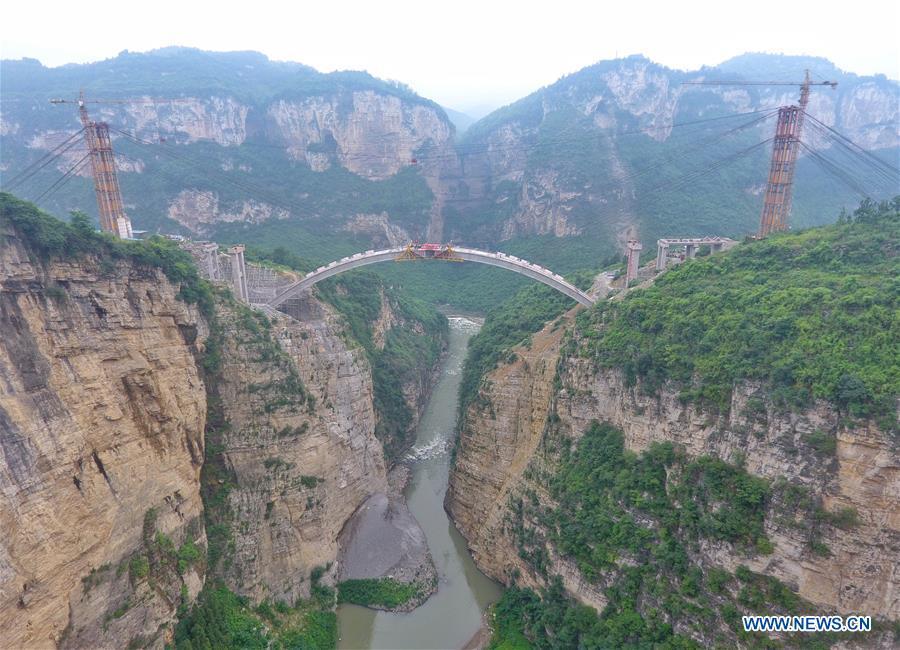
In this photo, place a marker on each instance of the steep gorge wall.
(372, 134)
(129, 424)
(368, 133)
(584, 155)
(298, 445)
(502, 455)
(102, 410)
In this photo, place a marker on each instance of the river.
(453, 614)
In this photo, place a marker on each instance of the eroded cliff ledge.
(505, 427)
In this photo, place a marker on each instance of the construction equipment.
(103, 164)
(779, 188)
(417, 251)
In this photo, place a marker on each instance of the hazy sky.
(462, 53)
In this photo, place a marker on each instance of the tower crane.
(103, 164)
(779, 188)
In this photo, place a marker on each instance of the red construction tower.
(103, 167)
(777, 203)
(779, 189)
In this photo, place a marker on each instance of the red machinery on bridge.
(428, 251)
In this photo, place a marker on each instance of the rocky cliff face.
(370, 134)
(102, 411)
(416, 384)
(222, 119)
(581, 155)
(298, 445)
(501, 455)
(197, 210)
(203, 124)
(135, 437)
(570, 159)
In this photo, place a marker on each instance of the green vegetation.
(811, 314)
(631, 166)
(222, 619)
(378, 592)
(49, 238)
(634, 524)
(510, 324)
(599, 487)
(160, 558)
(317, 200)
(95, 577)
(183, 71)
(409, 348)
(138, 567)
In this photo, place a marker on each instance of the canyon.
(505, 433)
(162, 441)
(140, 431)
(589, 471)
(162, 444)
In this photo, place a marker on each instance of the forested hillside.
(812, 315)
(622, 146)
(209, 139)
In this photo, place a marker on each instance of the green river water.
(454, 613)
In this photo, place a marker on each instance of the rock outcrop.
(371, 134)
(198, 210)
(102, 411)
(298, 444)
(500, 454)
(587, 154)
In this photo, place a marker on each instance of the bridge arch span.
(499, 260)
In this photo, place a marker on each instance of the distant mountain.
(461, 121)
(619, 149)
(238, 147)
(232, 139)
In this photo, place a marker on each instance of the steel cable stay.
(62, 179)
(833, 171)
(24, 175)
(224, 181)
(639, 173)
(847, 176)
(847, 145)
(882, 172)
(75, 172)
(303, 211)
(464, 150)
(627, 177)
(851, 144)
(696, 174)
(28, 172)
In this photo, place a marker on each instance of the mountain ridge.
(329, 164)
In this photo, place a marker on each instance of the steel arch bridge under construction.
(442, 252)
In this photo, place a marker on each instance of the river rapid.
(453, 614)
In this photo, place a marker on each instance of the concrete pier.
(239, 273)
(634, 249)
(691, 246)
(662, 251)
